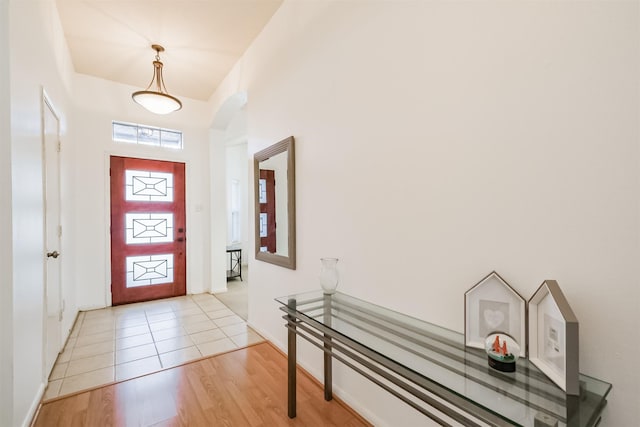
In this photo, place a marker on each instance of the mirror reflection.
(275, 217)
(273, 205)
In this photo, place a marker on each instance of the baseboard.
(356, 408)
(91, 307)
(264, 335)
(68, 332)
(35, 405)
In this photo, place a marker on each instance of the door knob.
(54, 254)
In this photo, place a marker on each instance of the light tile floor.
(119, 343)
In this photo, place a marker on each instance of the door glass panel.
(145, 186)
(149, 270)
(263, 225)
(263, 190)
(141, 228)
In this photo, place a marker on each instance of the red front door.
(148, 248)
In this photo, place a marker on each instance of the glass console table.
(429, 367)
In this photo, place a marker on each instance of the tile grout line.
(153, 340)
(77, 324)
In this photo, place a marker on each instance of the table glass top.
(439, 355)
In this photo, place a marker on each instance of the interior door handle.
(54, 254)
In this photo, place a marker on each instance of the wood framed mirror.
(275, 204)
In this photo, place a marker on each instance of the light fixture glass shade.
(157, 101)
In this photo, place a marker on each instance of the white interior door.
(53, 231)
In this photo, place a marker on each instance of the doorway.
(148, 229)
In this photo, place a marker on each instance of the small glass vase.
(329, 275)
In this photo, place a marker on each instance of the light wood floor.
(246, 387)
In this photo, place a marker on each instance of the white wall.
(6, 245)
(37, 60)
(218, 205)
(438, 141)
(95, 145)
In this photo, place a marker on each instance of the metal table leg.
(328, 368)
(291, 359)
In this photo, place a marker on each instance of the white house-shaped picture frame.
(553, 337)
(493, 306)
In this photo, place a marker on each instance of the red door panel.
(148, 230)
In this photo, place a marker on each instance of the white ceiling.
(203, 39)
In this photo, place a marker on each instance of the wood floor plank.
(246, 387)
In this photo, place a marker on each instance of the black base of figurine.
(502, 366)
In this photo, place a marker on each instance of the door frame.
(125, 151)
(46, 103)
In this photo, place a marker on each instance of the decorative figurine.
(502, 352)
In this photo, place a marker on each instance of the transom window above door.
(132, 133)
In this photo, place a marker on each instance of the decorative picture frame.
(553, 337)
(492, 305)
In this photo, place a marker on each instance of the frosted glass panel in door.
(146, 186)
(149, 270)
(263, 225)
(144, 228)
(263, 190)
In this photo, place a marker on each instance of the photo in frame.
(553, 337)
(491, 306)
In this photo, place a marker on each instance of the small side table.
(235, 263)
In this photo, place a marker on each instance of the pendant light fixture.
(157, 99)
